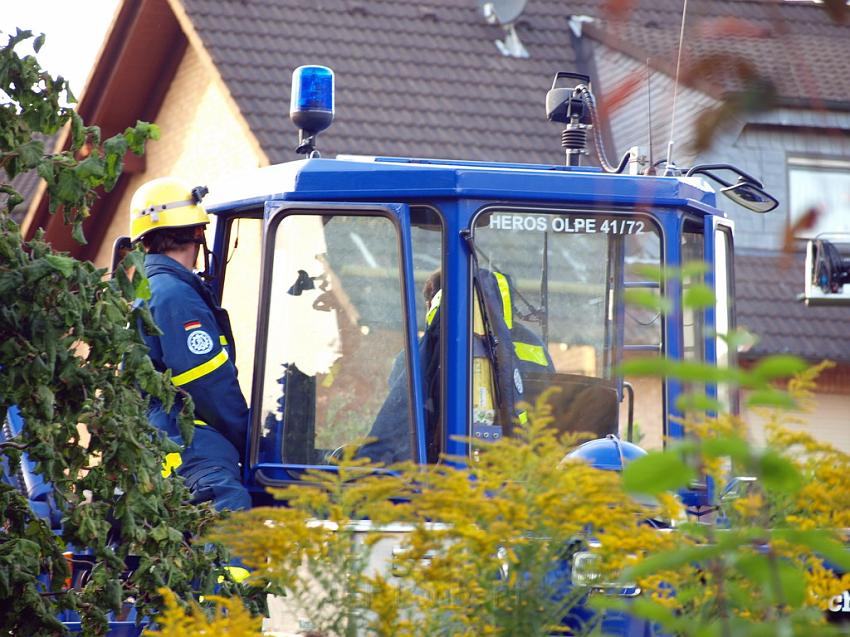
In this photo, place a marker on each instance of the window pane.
(643, 331)
(335, 361)
(240, 295)
(564, 277)
(822, 185)
(427, 241)
(693, 251)
(725, 309)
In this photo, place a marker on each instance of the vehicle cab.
(418, 304)
(343, 344)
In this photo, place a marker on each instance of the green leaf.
(69, 188)
(143, 289)
(689, 371)
(64, 265)
(733, 447)
(38, 43)
(698, 401)
(792, 581)
(648, 366)
(31, 153)
(672, 560)
(782, 581)
(77, 233)
(14, 197)
(778, 473)
(650, 272)
(78, 132)
(91, 169)
(778, 366)
(754, 567)
(657, 472)
(739, 339)
(819, 541)
(771, 398)
(698, 296)
(649, 299)
(115, 145)
(694, 269)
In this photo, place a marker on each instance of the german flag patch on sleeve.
(191, 325)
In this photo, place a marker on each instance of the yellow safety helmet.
(166, 202)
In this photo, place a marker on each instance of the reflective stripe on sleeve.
(434, 306)
(201, 370)
(531, 353)
(237, 574)
(171, 462)
(222, 339)
(505, 291)
(199, 423)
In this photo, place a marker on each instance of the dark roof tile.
(766, 289)
(413, 78)
(795, 44)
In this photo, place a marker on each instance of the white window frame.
(836, 217)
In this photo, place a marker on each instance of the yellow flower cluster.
(229, 619)
(475, 544)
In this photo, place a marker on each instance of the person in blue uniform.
(196, 344)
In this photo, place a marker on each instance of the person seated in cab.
(524, 352)
(196, 344)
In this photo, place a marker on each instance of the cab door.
(336, 360)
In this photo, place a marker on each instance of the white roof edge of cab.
(360, 158)
(697, 182)
(254, 183)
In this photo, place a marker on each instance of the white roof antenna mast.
(669, 167)
(505, 13)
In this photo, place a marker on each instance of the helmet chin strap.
(205, 274)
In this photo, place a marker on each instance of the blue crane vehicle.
(418, 301)
(531, 264)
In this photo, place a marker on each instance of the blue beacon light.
(311, 108)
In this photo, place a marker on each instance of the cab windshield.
(551, 283)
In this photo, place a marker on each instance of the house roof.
(418, 78)
(405, 69)
(766, 290)
(795, 44)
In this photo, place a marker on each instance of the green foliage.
(73, 365)
(755, 565)
(32, 111)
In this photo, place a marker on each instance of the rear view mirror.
(750, 196)
(747, 191)
(120, 248)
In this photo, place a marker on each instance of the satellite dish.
(501, 11)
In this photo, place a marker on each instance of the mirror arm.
(705, 168)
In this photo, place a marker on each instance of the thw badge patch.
(199, 342)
